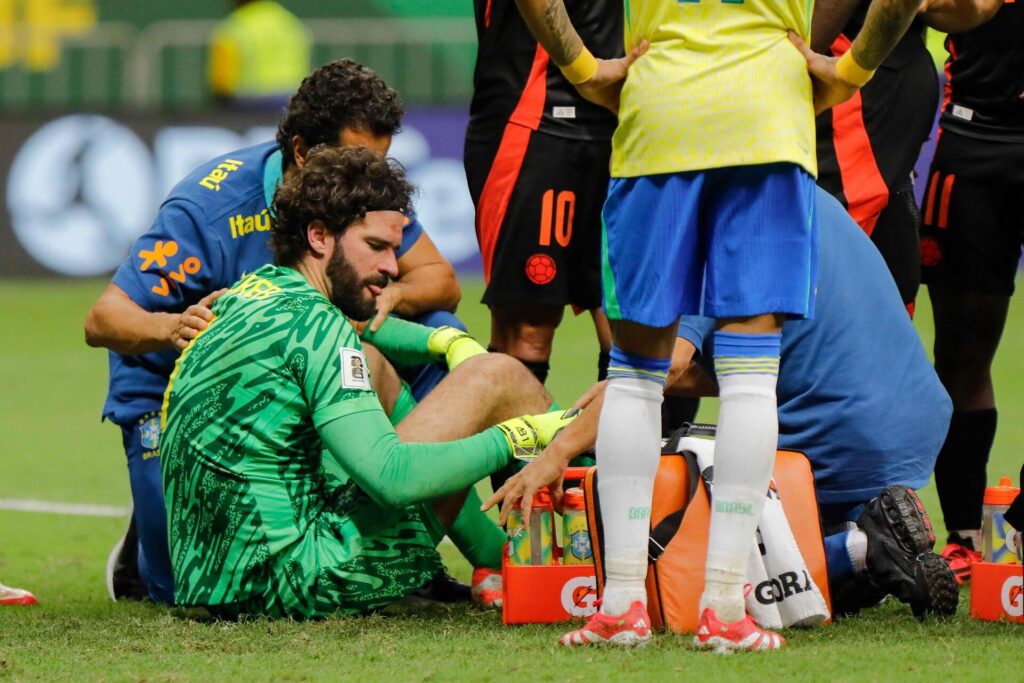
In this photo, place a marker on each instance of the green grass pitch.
(53, 448)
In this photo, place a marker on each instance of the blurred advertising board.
(76, 189)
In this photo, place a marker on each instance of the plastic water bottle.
(533, 545)
(575, 532)
(999, 538)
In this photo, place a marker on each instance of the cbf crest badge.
(580, 545)
(150, 432)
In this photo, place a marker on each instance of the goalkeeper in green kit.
(289, 491)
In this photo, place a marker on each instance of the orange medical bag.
(680, 518)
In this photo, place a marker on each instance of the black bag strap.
(688, 429)
(667, 528)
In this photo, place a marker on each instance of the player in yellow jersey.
(709, 210)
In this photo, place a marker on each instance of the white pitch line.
(78, 510)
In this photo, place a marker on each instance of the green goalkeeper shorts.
(347, 564)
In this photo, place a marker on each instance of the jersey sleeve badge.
(355, 372)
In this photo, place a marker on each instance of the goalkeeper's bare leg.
(479, 393)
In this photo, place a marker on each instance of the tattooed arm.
(886, 23)
(549, 23)
(836, 80)
(598, 80)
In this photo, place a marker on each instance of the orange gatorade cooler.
(999, 539)
(539, 588)
(997, 592)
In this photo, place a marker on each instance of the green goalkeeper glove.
(453, 346)
(528, 435)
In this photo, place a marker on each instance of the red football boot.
(487, 588)
(960, 558)
(739, 636)
(16, 596)
(632, 629)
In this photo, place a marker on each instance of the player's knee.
(526, 333)
(766, 323)
(499, 365)
(502, 370)
(527, 342)
(965, 357)
(969, 391)
(527, 352)
(641, 340)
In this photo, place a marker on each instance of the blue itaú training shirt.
(856, 390)
(211, 229)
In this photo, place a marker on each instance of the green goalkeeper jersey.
(257, 520)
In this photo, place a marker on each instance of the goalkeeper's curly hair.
(338, 186)
(341, 94)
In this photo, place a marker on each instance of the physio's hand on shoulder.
(830, 88)
(547, 470)
(453, 346)
(193, 320)
(529, 434)
(605, 86)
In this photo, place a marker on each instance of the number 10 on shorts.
(556, 214)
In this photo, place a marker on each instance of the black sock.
(965, 541)
(603, 359)
(675, 410)
(960, 468)
(539, 368)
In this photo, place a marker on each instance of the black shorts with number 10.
(538, 202)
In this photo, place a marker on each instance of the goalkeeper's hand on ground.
(453, 346)
(528, 435)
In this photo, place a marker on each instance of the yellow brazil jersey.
(721, 85)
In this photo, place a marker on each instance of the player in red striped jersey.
(971, 243)
(536, 159)
(867, 146)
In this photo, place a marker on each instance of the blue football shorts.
(726, 242)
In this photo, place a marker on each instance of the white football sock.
(857, 549)
(628, 449)
(625, 576)
(745, 445)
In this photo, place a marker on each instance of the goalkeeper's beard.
(348, 292)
